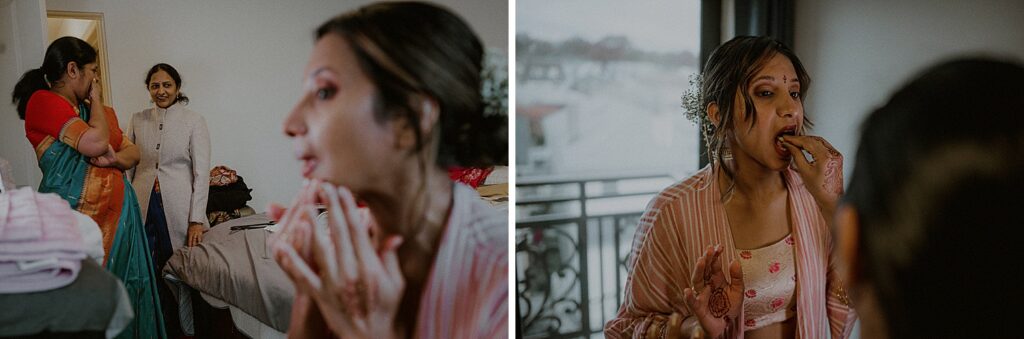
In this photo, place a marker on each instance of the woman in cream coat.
(172, 179)
(175, 145)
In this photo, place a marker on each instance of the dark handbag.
(228, 198)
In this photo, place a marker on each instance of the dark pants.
(160, 246)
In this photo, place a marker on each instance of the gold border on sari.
(73, 131)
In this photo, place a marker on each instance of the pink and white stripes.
(466, 295)
(686, 218)
(40, 244)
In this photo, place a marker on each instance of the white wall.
(22, 34)
(859, 52)
(241, 64)
(10, 138)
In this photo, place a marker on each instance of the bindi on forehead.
(785, 79)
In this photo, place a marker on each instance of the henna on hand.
(833, 173)
(821, 141)
(718, 304)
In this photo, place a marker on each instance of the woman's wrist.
(97, 111)
(827, 206)
(692, 329)
(698, 332)
(124, 162)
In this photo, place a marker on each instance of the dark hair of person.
(729, 71)
(174, 76)
(412, 48)
(59, 54)
(937, 187)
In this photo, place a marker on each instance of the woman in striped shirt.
(391, 99)
(761, 205)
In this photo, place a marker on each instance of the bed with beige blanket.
(235, 269)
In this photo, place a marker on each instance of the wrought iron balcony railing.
(572, 239)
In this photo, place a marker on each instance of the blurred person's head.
(752, 91)
(929, 228)
(69, 66)
(164, 85)
(391, 89)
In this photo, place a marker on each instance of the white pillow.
(498, 176)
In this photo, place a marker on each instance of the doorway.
(88, 27)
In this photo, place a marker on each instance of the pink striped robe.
(686, 218)
(466, 295)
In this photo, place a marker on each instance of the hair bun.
(480, 138)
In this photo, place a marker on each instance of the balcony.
(573, 236)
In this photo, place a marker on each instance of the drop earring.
(427, 109)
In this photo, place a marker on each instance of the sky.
(650, 25)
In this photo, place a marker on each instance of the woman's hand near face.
(823, 176)
(295, 221)
(309, 323)
(356, 287)
(96, 140)
(96, 93)
(96, 97)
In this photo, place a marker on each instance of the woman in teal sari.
(83, 155)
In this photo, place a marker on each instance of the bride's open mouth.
(779, 148)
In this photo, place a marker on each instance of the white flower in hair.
(494, 82)
(693, 108)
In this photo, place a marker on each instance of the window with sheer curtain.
(598, 86)
(599, 130)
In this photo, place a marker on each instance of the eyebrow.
(771, 78)
(318, 71)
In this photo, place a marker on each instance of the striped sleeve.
(480, 307)
(820, 290)
(841, 314)
(658, 267)
(467, 294)
(495, 304)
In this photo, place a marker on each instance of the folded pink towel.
(41, 247)
(32, 222)
(40, 275)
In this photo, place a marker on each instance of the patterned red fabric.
(222, 176)
(472, 176)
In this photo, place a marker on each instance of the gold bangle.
(840, 293)
(698, 331)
